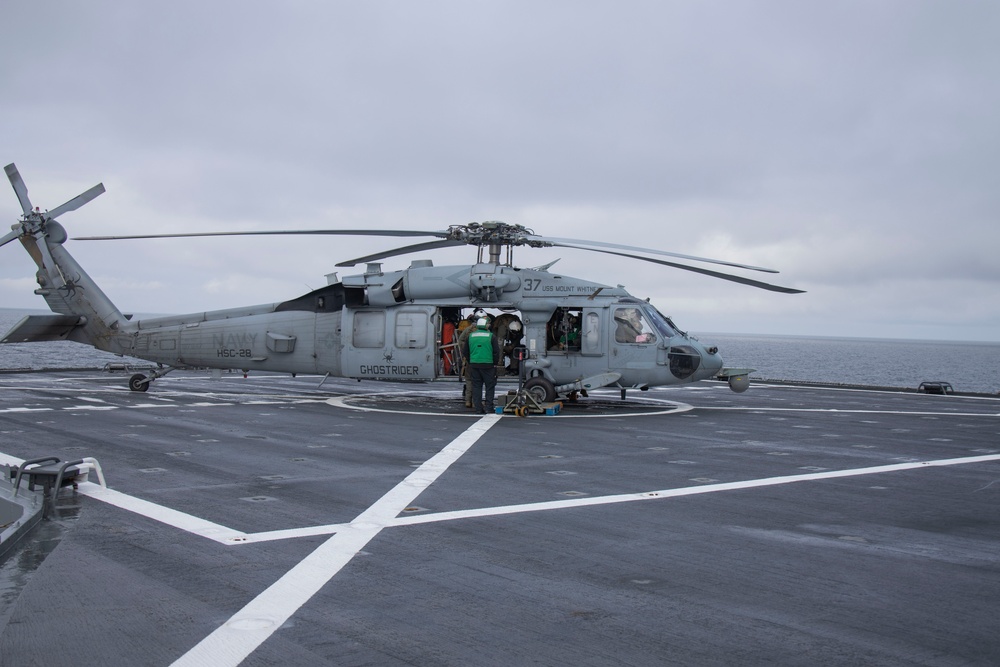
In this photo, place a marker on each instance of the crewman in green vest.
(482, 350)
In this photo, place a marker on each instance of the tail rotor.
(42, 225)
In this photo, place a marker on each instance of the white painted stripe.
(7, 459)
(290, 533)
(342, 402)
(231, 643)
(192, 524)
(854, 412)
(171, 517)
(345, 402)
(860, 390)
(683, 491)
(26, 410)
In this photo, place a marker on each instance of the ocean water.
(55, 355)
(969, 367)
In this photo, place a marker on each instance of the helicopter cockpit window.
(632, 326)
(661, 322)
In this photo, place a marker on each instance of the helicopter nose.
(711, 361)
(690, 360)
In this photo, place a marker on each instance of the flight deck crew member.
(465, 328)
(482, 350)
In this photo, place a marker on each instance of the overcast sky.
(854, 146)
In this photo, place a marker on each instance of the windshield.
(661, 322)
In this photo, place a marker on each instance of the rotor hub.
(492, 232)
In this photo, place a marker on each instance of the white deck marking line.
(683, 491)
(174, 518)
(289, 533)
(834, 411)
(8, 460)
(343, 402)
(871, 390)
(230, 537)
(236, 639)
(171, 517)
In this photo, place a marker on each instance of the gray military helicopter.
(565, 334)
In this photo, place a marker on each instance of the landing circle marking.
(670, 407)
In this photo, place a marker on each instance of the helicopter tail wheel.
(138, 382)
(540, 389)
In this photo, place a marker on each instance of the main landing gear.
(540, 389)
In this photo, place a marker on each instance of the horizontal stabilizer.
(726, 373)
(38, 328)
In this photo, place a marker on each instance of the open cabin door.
(577, 330)
(389, 343)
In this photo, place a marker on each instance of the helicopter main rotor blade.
(576, 243)
(76, 202)
(274, 232)
(418, 247)
(705, 272)
(19, 187)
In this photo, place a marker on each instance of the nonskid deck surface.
(265, 521)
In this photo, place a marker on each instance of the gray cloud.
(851, 145)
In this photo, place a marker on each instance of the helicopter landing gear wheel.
(540, 389)
(138, 382)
